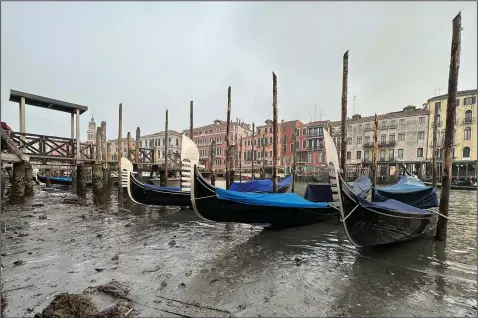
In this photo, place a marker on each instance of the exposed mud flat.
(171, 263)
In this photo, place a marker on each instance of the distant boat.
(456, 186)
(272, 210)
(376, 223)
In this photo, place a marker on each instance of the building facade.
(402, 138)
(205, 135)
(124, 145)
(158, 140)
(465, 139)
(313, 144)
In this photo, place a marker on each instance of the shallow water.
(240, 271)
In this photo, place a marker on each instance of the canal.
(172, 262)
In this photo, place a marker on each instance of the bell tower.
(92, 131)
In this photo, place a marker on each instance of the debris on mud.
(84, 305)
(4, 303)
(17, 263)
(69, 305)
(115, 258)
(71, 201)
(43, 217)
(38, 205)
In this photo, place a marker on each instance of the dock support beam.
(80, 180)
(28, 180)
(97, 178)
(17, 194)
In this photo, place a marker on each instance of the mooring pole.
(228, 150)
(120, 142)
(128, 146)
(293, 163)
(343, 137)
(240, 160)
(252, 151)
(191, 112)
(434, 150)
(449, 128)
(263, 155)
(211, 163)
(136, 145)
(166, 146)
(375, 152)
(274, 132)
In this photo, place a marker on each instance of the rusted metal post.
(240, 160)
(191, 120)
(375, 152)
(343, 140)
(228, 150)
(166, 145)
(449, 128)
(128, 146)
(120, 141)
(137, 144)
(211, 163)
(274, 132)
(252, 151)
(434, 149)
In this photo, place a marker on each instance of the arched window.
(468, 117)
(467, 135)
(466, 152)
(285, 138)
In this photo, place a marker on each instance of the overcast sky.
(156, 55)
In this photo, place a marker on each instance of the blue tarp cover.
(286, 200)
(392, 205)
(258, 185)
(319, 192)
(155, 187)
(409, 190)
(361, 185)
(67, 179)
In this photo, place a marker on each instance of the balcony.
(469, 120)
(392, 126)
(384, 127)
(380, 144)
(368, 129)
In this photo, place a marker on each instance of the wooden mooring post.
(120, 141)
(211, 163)
(449, 128)
(80, 180)
(136, 145)
(293, 163)
(343, 130)
(240, 160)
(253, 151)
(164, 181)
(191, 110)
(28, 180)
(228, 148)
(274, 133)
(17, 194)
(434, 145)
(97, 168)
(263, 156)
(128, 146)
(104, 153)
(375, 152)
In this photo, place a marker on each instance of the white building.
(402, 138)
(158, 140)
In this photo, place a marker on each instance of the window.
(393, 124)
(321, 130)
(441, 153)
(297, 132)
(349, 128)
(259, 131)
(367, 126)
(320, 157)
(392, 138)
(367, 139)
(349, 155)
(467, 133)
(382, 155)
(304, 131)
(359, 127)
(421, 120)
(284, 139)
(402, 122)
(284, 149)
(421, 135)
(309, 157)
(469, 100)
(359, 155)
(366, 155)
(359, 141)
(420, 152)
(292, 148)
(401, 137)
(383, 139)
(466, 152)
(438, 107)
(304, 144)
(391, 154)
(457, 102)
(400, 153)
(349, 140)
(468, 117)
(270, 129)
(384, 124)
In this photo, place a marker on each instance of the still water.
(167, 253)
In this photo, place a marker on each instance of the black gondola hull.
(371, 227)
(151, 196)
(42, 179)
(210, 207)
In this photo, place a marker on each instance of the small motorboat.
(270, 210)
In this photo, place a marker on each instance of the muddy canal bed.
(175, 264)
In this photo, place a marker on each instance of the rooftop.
(458, 94)
(161, 133)
(409, 110)
(46, 102)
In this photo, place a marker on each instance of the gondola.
(270, 210)
(56, 180)
(262, 186)
(168, 196)
(456, 186)
(368, 223)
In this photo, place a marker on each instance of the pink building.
(205, 135)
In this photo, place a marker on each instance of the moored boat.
(376, 223)
(457, 186)
(56, 180)
(272, 210)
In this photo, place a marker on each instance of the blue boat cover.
(259, 185)
(361, 185)
(409, 190)
(280, 200)
(65, 179)
(319, 192)
(393, 205)
(155, 187)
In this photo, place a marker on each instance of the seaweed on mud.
(113, 288)
(4, 303)
(69, 305)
